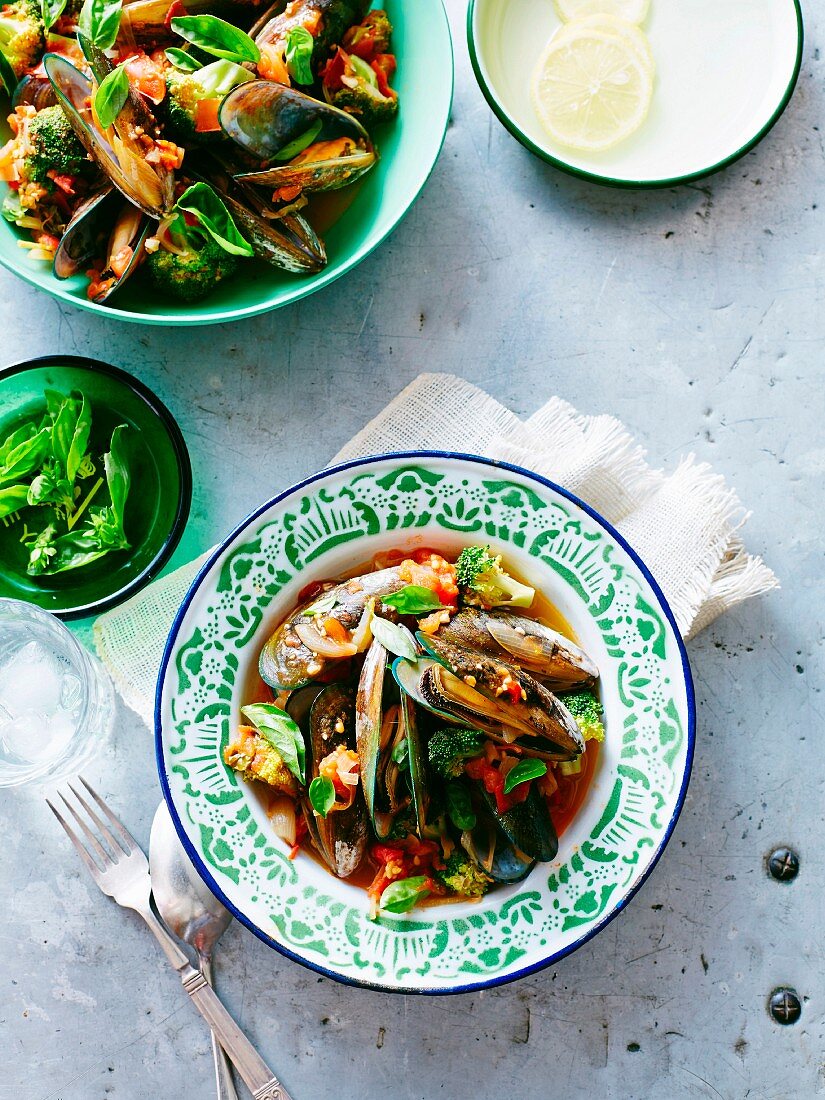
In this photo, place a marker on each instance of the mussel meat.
(303, 144)
(341, 836)
(298, 651)
(150, 186)
(326, 20)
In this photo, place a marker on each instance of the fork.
(121, 870)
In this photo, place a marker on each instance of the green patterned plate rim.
(335, 520)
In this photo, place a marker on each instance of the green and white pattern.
(340, 520)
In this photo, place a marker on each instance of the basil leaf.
(298, 54)
(401, 753)
(117, 474)
(397, 639)
(322, 605)
(40, 549)
(12, 498)
(298, 144)
(24, 455)
(213, 218)
(403, 895)
(111, 96)
(182, 60)
(99, 21)
(80, 439)
(523, 772)
(275, 726)
(217, 37)
(322, 795)
(51, 10)
(460, 806)
(413, 600)
(7, 76)
(50, 487)
(24, 433)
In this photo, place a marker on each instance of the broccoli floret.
(366, 102)
(587, 709)
(185, 91)
(483, 581)
(462, 876)
(449, 748)
(22, 37)
(353, 85)
(254, 758)
(54, 146)
(194, 274)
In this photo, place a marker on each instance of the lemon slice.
(611, 24)
(634, 11)
(591, 90)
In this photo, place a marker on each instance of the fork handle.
(259, 1078)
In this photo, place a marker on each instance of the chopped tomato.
(493, 779)
(384, 65)
(335, 629)
(334, 69)
(64, 182)
(146, 77)
(206, 116)
(48, 241)
(430, 570)
(176, 8)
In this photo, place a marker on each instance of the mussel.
(285, 240)
(34, 91)
(103, 227)
(523, 641)
(508, 845)
(298, 651)
(119, 151)
(341, 836)
(386, 735)
(463, 686)
(302, 143)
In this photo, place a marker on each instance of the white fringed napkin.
(684, 525)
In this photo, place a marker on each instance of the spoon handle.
(223, 1073)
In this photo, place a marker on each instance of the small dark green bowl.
(160, 493)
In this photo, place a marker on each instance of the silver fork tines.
(111, 855)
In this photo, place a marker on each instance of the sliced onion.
(362, 635)
(322, 645)
(282, 816)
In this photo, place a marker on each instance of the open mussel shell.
(525, 642)
(287, 241)
(81, 239)
(337, 16)
(117, 151)
(34, 91)
(490, 849)
(264, 118)
(380, 729)
(468, 684)
(528, 825)
(341, 836)
(130, 230)
(287, 662)
(299, 706)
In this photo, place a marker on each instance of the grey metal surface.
(696, 316)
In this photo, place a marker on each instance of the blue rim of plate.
(194, 855)
(320, 281)
(609, 181)
(181, 452)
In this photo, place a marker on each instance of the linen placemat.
(684, 525)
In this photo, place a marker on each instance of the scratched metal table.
(696, 316)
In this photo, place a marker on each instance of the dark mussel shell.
(131, 228)
(84, 235)
(34, 91)
(507, 846)
(287, 241)
(285, 661)
(523, 641)
(264, 118)
(539, 713)
(122, 158)
(342, 834)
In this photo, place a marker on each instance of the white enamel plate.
(725, 71)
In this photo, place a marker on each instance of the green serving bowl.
(160, 493)
(330, 524)
(724, 75)
(408, 148)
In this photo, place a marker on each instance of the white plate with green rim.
(725, 71)
(322, 527)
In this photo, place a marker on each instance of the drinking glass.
(56, 701)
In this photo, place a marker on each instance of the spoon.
(192, 912)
